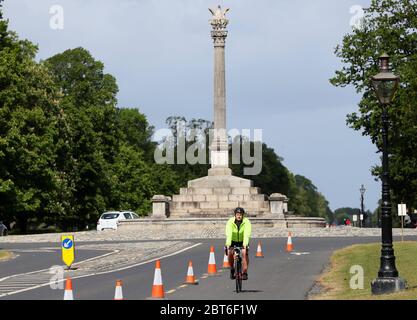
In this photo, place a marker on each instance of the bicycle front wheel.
(238, 276)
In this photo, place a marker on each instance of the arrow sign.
(67, 243)
(68, 252)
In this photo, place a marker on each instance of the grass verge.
(336, 281)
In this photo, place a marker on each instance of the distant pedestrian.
(347, 222)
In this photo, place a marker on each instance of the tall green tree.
(135, 175)
(308, 201)
(29, 118)
(184, 135)
(89, 140)
(106, 154)
(274, 176)
(135, 181)
(389, 26)
(135, 131)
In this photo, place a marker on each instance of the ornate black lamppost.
(385, 84)
(362, 191)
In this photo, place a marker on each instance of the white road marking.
(33, 250)
(86, 275)
(299, 253)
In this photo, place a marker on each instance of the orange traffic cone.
(259, 253)
(212, 269)
(68, 295)
(190, 279)
(118, 294)
(226, 263)
(289, 243)
(158, 287)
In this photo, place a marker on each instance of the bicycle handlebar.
(237, 250)
(226, 248)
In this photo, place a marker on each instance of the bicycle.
(237, 263)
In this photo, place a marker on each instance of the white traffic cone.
(118, 294)
(226, 264)
(259, 253)
(158, 288)
(290, 246)
(212, 268)
(190, 279)
(68, 295)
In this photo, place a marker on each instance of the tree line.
(274, 177)
(68, 152)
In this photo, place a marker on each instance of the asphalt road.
(278, 276)
(32, 257)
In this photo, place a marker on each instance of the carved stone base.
(217, 196)
(387, 285)
(219, 171)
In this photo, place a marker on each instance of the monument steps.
(219, 198)
(220, 182)
(218, 195)
(214, 214)
(202, 190)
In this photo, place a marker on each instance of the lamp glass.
(385, 89)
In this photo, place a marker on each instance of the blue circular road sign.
(67, 244)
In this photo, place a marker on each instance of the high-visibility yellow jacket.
(241, 234)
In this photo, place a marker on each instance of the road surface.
(278, 276)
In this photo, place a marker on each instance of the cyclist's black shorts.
(238, 244)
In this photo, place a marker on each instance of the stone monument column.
(218, 193)
(219, 153)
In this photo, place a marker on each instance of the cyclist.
(238, 232)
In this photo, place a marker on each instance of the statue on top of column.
(219, 22)
(219, 14)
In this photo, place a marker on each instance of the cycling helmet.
(239, 210)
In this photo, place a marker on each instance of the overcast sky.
(279, 58)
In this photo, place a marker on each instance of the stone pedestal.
(160, 206)
(276, 201)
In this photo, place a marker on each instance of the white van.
(110, 219)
